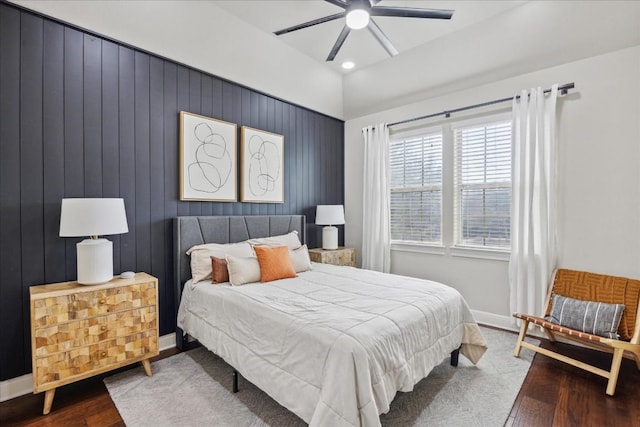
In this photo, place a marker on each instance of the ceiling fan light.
(357, 19)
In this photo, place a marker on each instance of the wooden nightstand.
(340, 256)
(78, 331)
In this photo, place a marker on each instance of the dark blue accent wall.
(84, 116)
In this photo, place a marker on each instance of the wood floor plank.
(553, 394)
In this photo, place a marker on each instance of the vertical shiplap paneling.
(81, 116)
(195, 106)
(277, 125)
(126, 119)
(142, 169)
(171, 195)
(53, 149)
(31, 161)
(156, 168)
(206, 109)
(73, 133)
(216, 112)
(183, 105)
(12, 362)
(92, 105)
(110, 141)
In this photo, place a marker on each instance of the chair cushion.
(596, 318)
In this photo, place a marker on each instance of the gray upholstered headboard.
(197, 230)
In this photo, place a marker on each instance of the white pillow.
(243, 270)
(300, 259)
(201, 257)
(290, 240)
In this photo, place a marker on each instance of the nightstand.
(340, 256)
(78, 331)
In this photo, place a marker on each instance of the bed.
(333, 345)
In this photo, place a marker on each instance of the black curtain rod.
(447, 113)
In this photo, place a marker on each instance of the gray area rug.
(194, 389)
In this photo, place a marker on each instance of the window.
(451, 187)
(416, 187)
(482, 185)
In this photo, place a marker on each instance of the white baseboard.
(22, 385)
(496, 320)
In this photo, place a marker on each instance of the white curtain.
(533, 216)
(376, 235)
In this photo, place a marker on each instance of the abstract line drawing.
(207, 159)
(262, 155)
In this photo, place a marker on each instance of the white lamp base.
(95, 261)
(330, 237)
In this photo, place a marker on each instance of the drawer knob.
(103, 354)
(103, 328)
(102, 301)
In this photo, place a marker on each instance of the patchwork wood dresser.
(78, 331)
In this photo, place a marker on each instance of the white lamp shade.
(330, 215)
(92, 217)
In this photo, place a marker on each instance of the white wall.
(599, 176)
(204, 36)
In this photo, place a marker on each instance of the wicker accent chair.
(591, 287)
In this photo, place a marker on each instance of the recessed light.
(347, 65)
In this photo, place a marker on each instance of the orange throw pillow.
(275, 263)
(220, 273)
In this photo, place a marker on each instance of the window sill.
(423, 248)
(482, 253)
(458, 251)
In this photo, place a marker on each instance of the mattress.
(334, 344)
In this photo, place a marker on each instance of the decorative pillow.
(300, 259)
(596, 318)
(243, 270)
(220, 272)
(275, 263)
(291, 240)
(201, 257)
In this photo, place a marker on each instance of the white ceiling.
(360, 46)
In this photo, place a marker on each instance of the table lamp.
(93, 218)
(330, 215)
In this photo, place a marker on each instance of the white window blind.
(416, 188)
(482, 185)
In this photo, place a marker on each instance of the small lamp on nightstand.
(93, 217)
(330, 215)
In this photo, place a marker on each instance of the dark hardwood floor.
(553, 394)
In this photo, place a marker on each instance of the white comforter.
(335, 344)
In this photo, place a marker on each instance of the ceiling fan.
(358, 15)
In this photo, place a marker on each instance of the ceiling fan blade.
(310, 23)
(411, 12)
(338, 3)
(375, 30)
(338, 44)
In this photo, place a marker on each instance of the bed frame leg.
(235, 381)
(455, 355)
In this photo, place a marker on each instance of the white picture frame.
(261, 166)
(208, 159)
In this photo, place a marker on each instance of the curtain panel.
(534, 204)
(376, 234)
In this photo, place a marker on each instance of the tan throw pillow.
(300, 259)
(290, 240)
(201, 268)
(243, 270)
(220, 272)
(275, 263)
